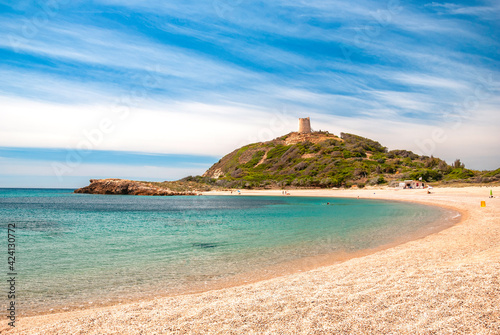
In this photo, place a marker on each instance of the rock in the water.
(130, 187)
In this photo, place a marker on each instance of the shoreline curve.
(453, 264)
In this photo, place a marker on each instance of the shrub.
(366, 144)
(443, 167)
(493, 173)
(290, 154)
(427, 175)
(347, 154)
(327, 151)
(460, 174)
(389, 169)
(277, 151)
(238, 173)
(255, 159)
(458, 165)
(301, 166)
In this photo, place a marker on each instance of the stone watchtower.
(305, 126)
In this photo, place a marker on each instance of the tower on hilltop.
(304, 125)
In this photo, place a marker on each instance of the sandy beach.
(445, 283)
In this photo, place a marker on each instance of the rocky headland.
(131, 187)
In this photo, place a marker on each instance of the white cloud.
(475, 142)
(183, 128)
(456, 9)
(209, 102)
(90, 45)
(429, 81)
(205, 129)
(43, 86)
(403, 100)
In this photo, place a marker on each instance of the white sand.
(446, 283)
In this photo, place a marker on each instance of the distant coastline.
(132, 187)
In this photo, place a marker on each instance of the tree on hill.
(458, 165)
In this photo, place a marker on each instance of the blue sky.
(157, 90)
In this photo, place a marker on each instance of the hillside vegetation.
(322, 159)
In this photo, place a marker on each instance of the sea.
(76, 251)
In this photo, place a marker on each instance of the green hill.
(321, 159)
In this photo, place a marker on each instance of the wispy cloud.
(204, 77)
(486, 11)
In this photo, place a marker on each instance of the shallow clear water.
(74, 250)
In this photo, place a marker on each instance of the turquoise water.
(78, 250)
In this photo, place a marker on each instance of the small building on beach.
(411, 184)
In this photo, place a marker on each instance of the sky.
(157, 90)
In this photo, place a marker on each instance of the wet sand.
(444, 283)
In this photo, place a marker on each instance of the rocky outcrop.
(130, 187)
